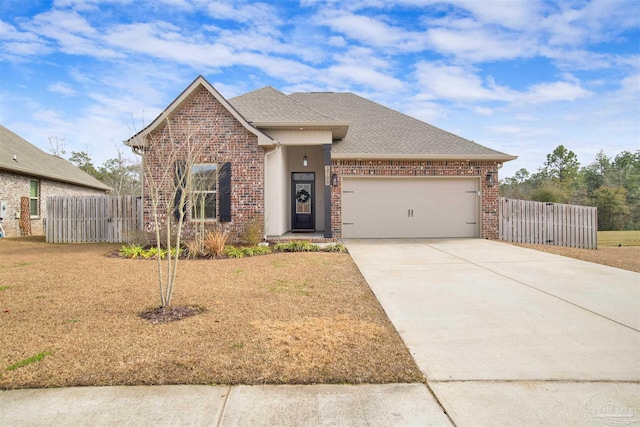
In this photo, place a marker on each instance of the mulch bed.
(170, 314)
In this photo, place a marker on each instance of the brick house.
(26, 172)
(334, 164)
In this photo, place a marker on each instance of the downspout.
(276, 144)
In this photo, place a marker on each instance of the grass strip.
(619, 238)
(37, 358)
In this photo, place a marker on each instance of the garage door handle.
(410, 213)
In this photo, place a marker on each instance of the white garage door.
(410, 207)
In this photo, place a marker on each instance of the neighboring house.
(28, 172)
(334, 163)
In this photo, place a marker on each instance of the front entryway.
(302, 201)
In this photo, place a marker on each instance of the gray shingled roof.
(376, 130)
(268, 105)
(32, 161)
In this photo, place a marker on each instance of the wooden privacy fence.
(92, 218)
(543, 223)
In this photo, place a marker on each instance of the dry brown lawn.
(627, 258)
(295, 318)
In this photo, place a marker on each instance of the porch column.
(327, 190)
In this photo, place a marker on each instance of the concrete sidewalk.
(180, 405)
(512, 336)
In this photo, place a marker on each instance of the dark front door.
(302, 201)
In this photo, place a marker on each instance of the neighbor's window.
(203, 190)
(34, 198)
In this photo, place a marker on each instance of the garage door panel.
(414, 207)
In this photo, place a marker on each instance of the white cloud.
(71, 32)
(506, 13)
(553, 92)
(596, 21)
(452, 82)
(21, 43)
(482, 44)
(507, 129)
(373, 32)
(485, 111)
(263, 15)
(456, 83)
(163, 40)
(62, 88)
(362, 75)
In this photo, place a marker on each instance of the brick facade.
(15, 186)
(216, 137)
(418, 168)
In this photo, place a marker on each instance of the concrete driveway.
(512, 336)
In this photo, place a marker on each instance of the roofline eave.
(29, 172)
(338, 128)
(457, 157)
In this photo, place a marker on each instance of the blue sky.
(521, 77)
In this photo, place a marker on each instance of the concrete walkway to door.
(512, 336)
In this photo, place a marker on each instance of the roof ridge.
(312, 109)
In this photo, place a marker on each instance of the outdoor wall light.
(305, 159)
(334, 180)
(490, 179)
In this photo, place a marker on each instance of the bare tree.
(121, 174)
(57, 146)
(175, 175)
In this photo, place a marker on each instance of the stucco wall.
(14, 186)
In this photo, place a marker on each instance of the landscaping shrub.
(137, 238)
(194, 248)
(297, 246)
(214, 242)
(233, 252)
(153, 252)
(131, 251)
(256, 250)
(337, 247)
(252, 232)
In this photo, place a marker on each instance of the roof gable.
(139, 139)
(19, 156)
(268, 109)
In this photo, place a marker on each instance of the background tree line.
(119, 173)
(610, 184)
